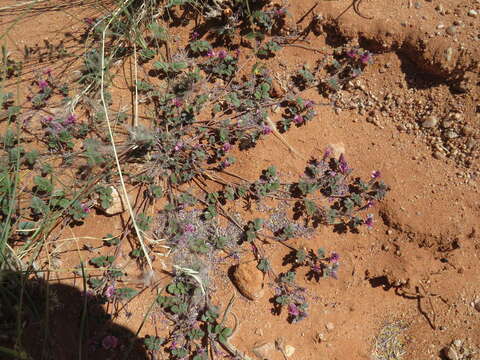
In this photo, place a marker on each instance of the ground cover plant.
(199, 101)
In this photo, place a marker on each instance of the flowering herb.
(343, 200)
(349, 66)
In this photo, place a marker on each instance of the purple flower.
(47, 71)
(298, 119)
(226, 147)
(293, 310)
(222, 54)
(370, 203)
(110, 342)
(109, 291)
(334, 257)
(85, 208)
(266, 130)
(195, 35)
(366, 58)
(369, 221)
(178, 146)
(43, 85)
(177, 102)
(189, 228)
(333, 274)
(376, 174)
(326, 154)
(352, 54)
(211, 53)
(89, 20)
(308, 104)
(46, 120)
(71, 119)
(226, 163)
(342, 164)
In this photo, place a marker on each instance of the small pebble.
(472, 13)
(330, 326)
(289, 350)
(430, 122)
(477, 305)
(451, 30)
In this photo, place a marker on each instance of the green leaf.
(102, 261)
(158, 32)
(125, 293)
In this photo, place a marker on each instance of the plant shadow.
(41, 320)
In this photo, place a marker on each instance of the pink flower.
(110, 291)
(226, 147)
(178, 146)
(110, 342)
(47, 72)
(225, 163)
(352, 54)
(71, 119)
(298, 119)
(334, 257)
(189, 228)
(85, 208)
(342, 164)
(195, 35)
(266, 130)
(376, 174)
(366, 58)
(222, 54)
(211, 53)
(47, 120)
(88, 20)
(327, 153)
(308, 104)
(369, 221)
(43, 85)
(293, 310)
(177, 102)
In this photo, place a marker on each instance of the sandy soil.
(420, 263)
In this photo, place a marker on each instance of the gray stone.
(264, 351)
(451, 353)
(451, 30)
(430, 122)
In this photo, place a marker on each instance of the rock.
(263, 351)
(118, 203)
(451, 134)
(329, 326)
(289, 350)
(249, 280)
(276, 90)
(477, 305)
(258, 332)
(320, 337)
(472, 13)
(430, 122)
(457, 343)
(451, 30)
(438, 155)
(451, 353)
